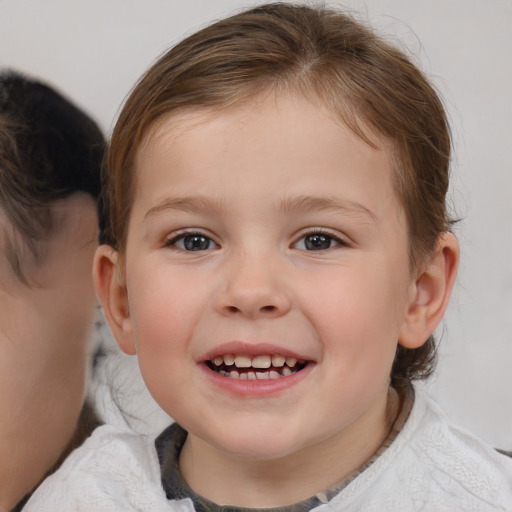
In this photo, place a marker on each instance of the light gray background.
(94, 50)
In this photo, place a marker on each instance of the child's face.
(270, 233)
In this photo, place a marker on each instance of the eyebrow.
(188, 204)
(305, 204)
(289, 206)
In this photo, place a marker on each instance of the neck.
(226, 479)
(35, 435)
(26, 458)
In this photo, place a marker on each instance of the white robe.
(431, 466)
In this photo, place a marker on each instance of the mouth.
(261, 367)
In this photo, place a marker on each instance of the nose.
(253, 288)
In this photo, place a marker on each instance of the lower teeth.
(270, 375)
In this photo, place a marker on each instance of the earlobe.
(431, 292)
(112, 293)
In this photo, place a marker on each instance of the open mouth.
(260, 367)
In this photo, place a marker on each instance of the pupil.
(317, 242)
(196, 243)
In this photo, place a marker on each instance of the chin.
(256, 445)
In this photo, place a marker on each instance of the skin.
(257, 182)
(44, 335)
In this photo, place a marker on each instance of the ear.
(111, 290)
(430, 293)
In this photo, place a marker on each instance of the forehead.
(253, 102)
(289, 133)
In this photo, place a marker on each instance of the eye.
(317, 242)
(192, 242)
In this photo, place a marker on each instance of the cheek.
(360, 311)
(163, 314)
(164, 307)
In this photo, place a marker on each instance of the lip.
(256, 388)
(253, 388)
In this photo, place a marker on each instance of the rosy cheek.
(157, 324)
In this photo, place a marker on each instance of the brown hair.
(326, 56)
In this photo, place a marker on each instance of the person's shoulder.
(446, 446)
(110, 446)
(449, 466)
(432, 465)
(114, 470)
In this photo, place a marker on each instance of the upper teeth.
(262, 361)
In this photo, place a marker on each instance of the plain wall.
(94, 50)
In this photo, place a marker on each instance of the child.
(50, 159)
(278, 257)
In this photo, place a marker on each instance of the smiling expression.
(267, 276)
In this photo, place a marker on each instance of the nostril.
(232, 310)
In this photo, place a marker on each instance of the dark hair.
(326, 56)
(49, 149)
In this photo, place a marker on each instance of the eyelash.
(323, 233)
(172, 242)
(326, 235)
